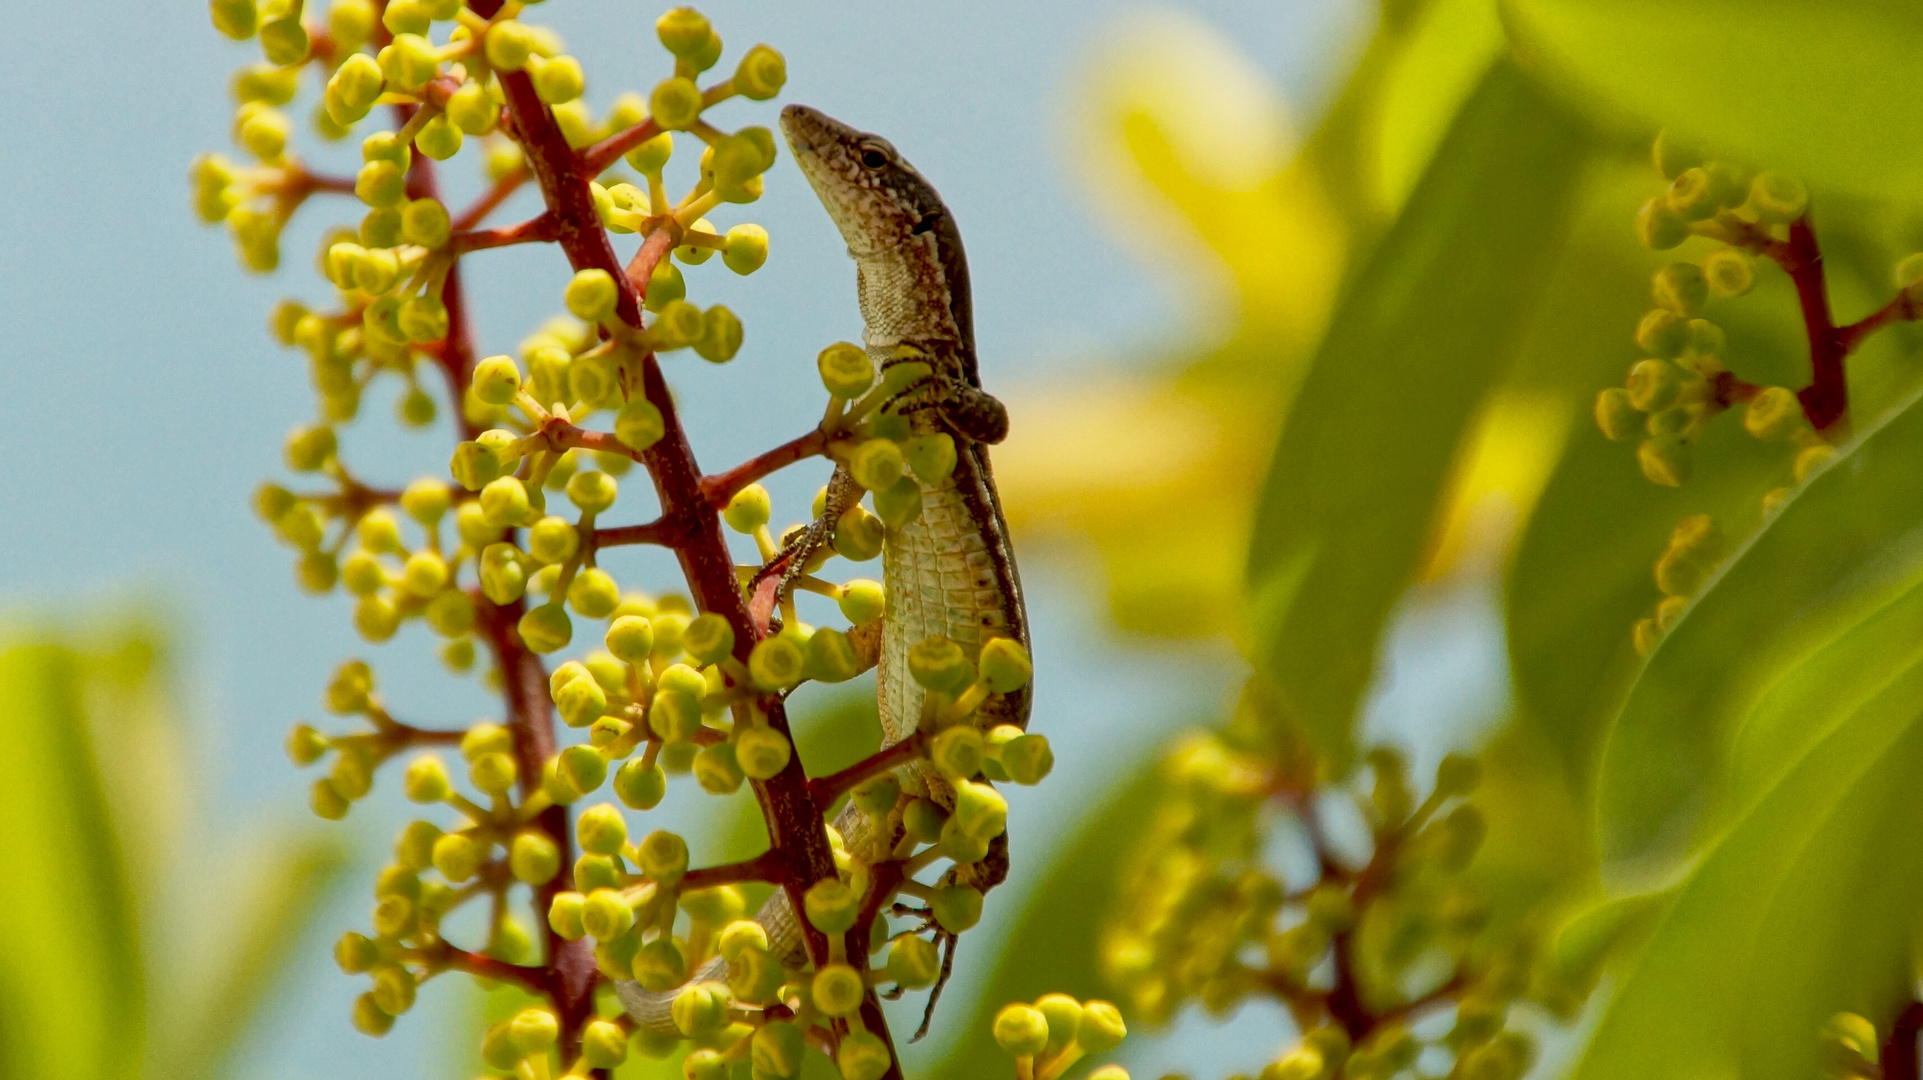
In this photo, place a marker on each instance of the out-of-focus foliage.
(1808, 905)
(1478, 176)
(1411, 355)
(89, 990)
(1822, 87)
(1832, 550)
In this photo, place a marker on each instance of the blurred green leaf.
(71, 981)
(1584, 571)
(1430, 323)
(1806, 907)
(194, 1032)
(1051, 946)
(1822, 561)
(1821, 690)
(1824, 88)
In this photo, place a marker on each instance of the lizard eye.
(873, 158)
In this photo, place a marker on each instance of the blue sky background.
(145, 400)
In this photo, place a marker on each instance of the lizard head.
(876, 199)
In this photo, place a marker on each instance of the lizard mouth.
(797, 123)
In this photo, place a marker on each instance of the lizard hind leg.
(793, 558)
(948, 942)
(969, 411)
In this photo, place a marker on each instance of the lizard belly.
(944, 574)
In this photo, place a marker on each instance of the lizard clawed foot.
(968, 411)
(793, 559)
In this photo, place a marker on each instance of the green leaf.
(1806, 907)
(1807, 701)
(1583, 572)
(1816, 567)
(1428, 326)
(1052, 946)
(1823, 88)
(71, 985)
(196, 1031)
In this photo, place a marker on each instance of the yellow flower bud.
(747, 248)
(832, 906)
(1664, 460)
(1774, 414)
(1728, 272)
(1776, 198)
(762, 752)
(838, 990)
(675, 104)
(1021, 1030)
(592, 295)
(1680, 287)
(761, 74)
(702, 1009)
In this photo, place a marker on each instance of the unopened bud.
(1663, 333)
(1777, 198)
(1664, 460)
(1774, 413)
(1659, 227)
(1680, 287)
(1728, 272)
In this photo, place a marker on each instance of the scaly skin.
(951, 571)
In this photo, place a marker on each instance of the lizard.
(952, 570)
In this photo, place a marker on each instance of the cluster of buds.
(1850, 1047)
(1682, 383)
(1694, 551)
(674, 685)
(1055, 1032)
(1367, 953)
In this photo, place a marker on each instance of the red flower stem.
(653, 250)
(487, 967)
(596, 159)
(1901, 308)
(795, 823)
(766, 866)
(343, 185)
(826, 789)
(1826, 398)
(1899, 1056)
(488, 203)
(721, 487)
(534, 230)
(885, 877)
(571, 973)
(660, 532)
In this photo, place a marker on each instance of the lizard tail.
(652, 1010)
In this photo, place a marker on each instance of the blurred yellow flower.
(1188, 152)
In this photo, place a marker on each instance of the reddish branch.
(800, 854)
(660, 532)
(1899, 1056)
(534, 230)
(653, 250)
(486, 204)
(1826, 399)
(1901, 308)
(1343, 1001)
(826, 789)
(486, 967)
(721, 487)
(596, 159)
(766, 866)
(570, 973)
